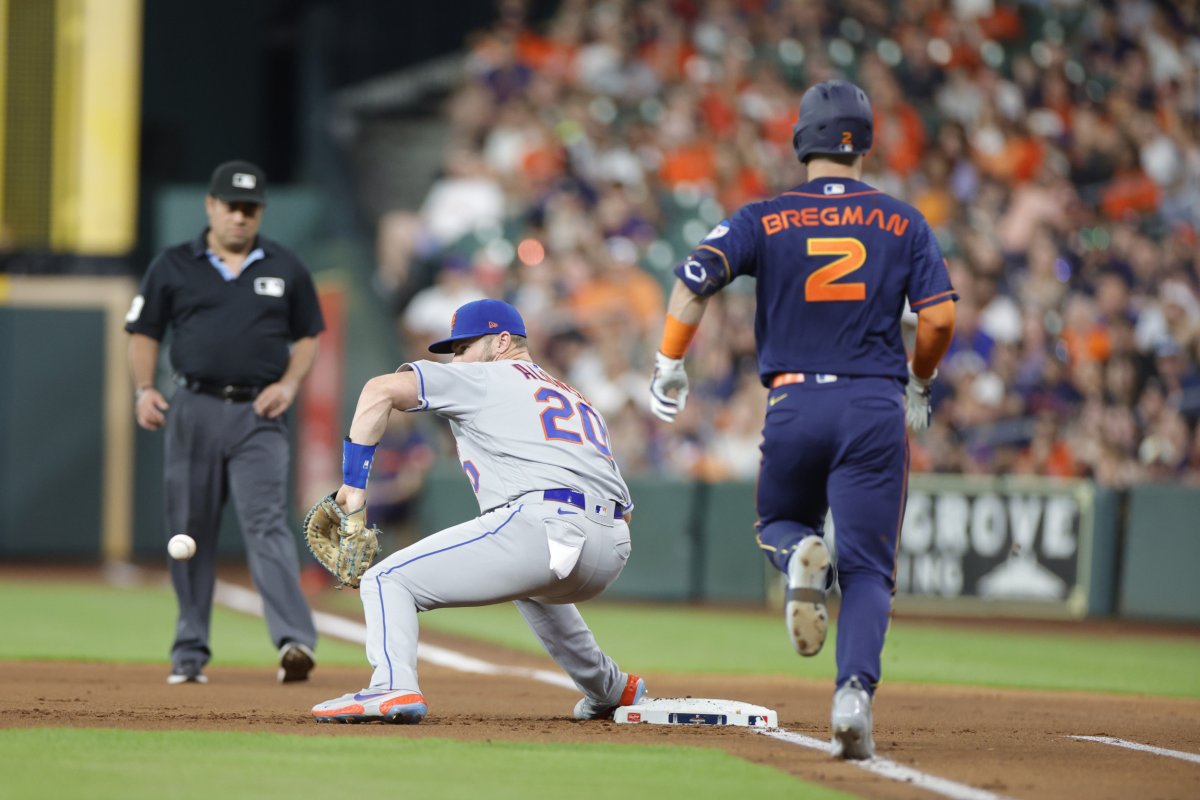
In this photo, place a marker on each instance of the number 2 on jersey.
(820, 286)
(559, 409)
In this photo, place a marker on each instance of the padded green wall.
(51, 432)
(1161, 554)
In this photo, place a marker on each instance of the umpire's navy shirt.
(227, 330)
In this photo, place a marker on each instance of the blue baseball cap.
(480, 318)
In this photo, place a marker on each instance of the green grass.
(86, 622)
(703, 641)
(144, 765)
(76, 621)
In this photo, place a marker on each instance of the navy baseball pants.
(839, 444)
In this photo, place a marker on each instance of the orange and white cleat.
(631, 695)
(399, 706)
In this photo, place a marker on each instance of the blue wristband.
(356, 463)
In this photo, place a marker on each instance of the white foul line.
(890, 769)
(249, 602)
(1146, 748)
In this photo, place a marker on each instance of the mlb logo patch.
(269, 287)
(244, 180)
(493, 324)
(835, 188)
(717, 232)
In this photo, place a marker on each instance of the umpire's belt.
(229, 393)
(574, 498)
(788, 378)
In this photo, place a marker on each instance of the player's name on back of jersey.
(833, 217)
(533, 372)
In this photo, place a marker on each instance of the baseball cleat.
(851, 720)
(295, 662)
(187, 672)
(805, 613)
(635, 690)
(401, 706)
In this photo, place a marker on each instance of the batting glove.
(917, 410)
(669, 376)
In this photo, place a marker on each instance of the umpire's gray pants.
(545, 556)
(214, 448)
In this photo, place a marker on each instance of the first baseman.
(835, 260)
(553, 528)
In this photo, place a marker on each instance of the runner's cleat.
(805, 613)
(851, 720)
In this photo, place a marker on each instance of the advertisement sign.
(999, 540)
(995, 545)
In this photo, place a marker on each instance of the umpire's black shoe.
(295, 662)
(187, 672)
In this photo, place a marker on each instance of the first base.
(696, 711)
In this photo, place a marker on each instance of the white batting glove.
(669, 376)
(917, 410)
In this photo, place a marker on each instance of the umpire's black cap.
(835, 119)
(239, 182)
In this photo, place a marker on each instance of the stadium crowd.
(1054, 147)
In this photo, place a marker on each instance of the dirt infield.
(1012, 743)
(1008, 742)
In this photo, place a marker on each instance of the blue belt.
(574, 498)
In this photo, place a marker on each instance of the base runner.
(835, 260)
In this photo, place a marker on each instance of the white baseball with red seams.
(181, 547)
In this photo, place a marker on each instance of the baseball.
(181, 547)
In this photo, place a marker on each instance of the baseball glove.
(341, 542)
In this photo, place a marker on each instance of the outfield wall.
(72, 458)
(1027, 547)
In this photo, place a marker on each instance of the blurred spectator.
(465, 198)
(1054, 147)
(429, 313)
(617, 293)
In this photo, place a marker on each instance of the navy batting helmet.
(835, 118)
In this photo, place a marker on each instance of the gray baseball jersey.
(519, 429)
(551, 533)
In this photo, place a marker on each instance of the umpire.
(244, 319)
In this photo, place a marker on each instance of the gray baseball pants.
(544, 556)
(215, 449)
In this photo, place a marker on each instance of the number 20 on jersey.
(557, 421)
